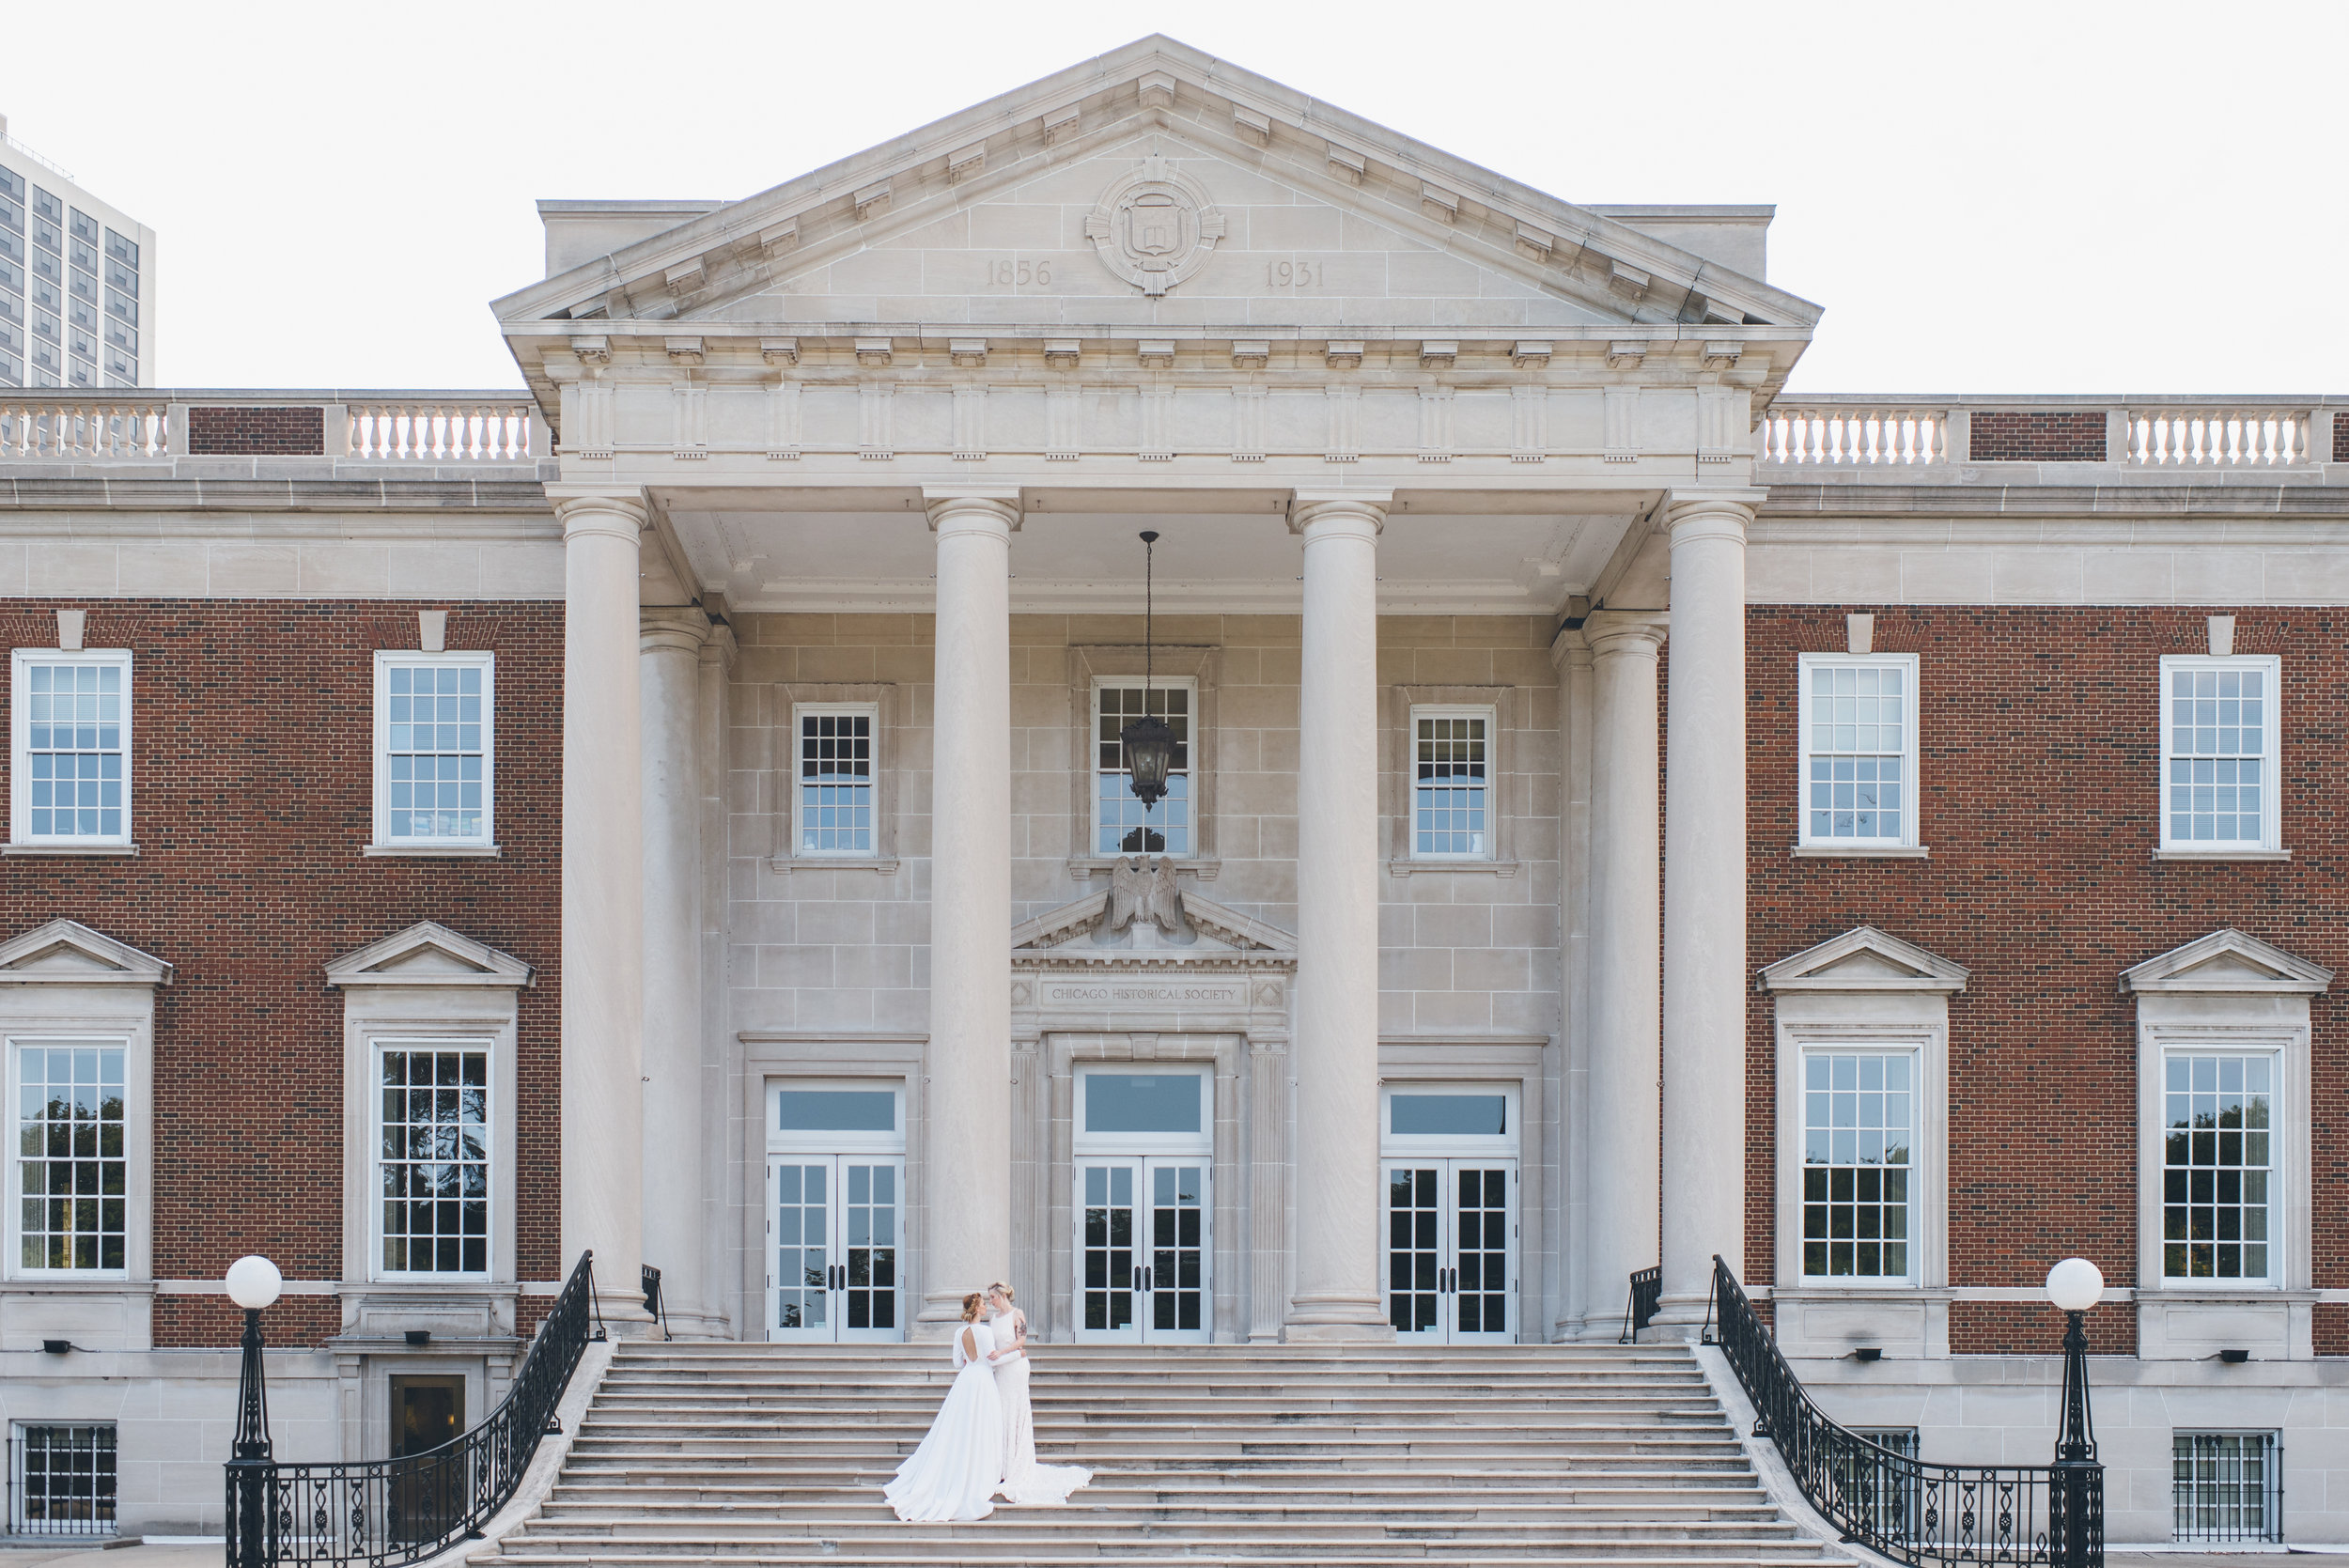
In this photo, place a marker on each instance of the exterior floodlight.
(254, 1283)
(2074, 1285)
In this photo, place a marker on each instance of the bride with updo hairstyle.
(1024, 1480)
(953, 1476)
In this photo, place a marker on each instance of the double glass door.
(1143, 1251)
(835, 1244)
(1451, 1228)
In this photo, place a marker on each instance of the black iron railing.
(2023, 1514)
(1647, 1294)
(382, 1512)
(61, 1480)
(2227, 1487)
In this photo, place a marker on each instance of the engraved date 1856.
(1012, 273)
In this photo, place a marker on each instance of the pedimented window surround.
(64, 980)
(1865, 989)
(426, 986)
(2227, 992)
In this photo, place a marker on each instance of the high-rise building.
(77, 279)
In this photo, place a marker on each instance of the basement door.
(835, 1212)
(1452, 1209)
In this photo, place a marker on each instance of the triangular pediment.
(1865, 959)
(428, 953)
(1159, 186)
(1220, 933)
(2227, 961)
(66, 953)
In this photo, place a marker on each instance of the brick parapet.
(242, 431)
(252, 798)
(2037, 436)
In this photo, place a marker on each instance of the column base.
(624, 1315)
(1327, 1319)
(1679, 1320)
(940, 1319)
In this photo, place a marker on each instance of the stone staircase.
(756, 1454)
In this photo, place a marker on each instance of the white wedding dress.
(1024, 1480)
(952, 1477)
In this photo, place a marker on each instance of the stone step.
(1565, 1521)
(1334, 1489)
(912, 1546)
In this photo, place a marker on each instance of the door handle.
(1137, 1281)
(1146, 1284)
(840, 1276)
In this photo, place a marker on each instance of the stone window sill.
(437, 851)
(1423, 868)
(2222, 856)
(1861, 852)
(789, 863)
(84, 850)
(1083, 866)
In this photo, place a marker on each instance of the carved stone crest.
(1155, 228)
(1145, 895)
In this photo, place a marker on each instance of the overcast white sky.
(2128, 195)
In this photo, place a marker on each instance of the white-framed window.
(1121, 824)
(1857, 716)
(834, 773)
(1166, 1107)
(2221, 752)
(2222, 1159)
(433, 1157)
(1858, 1162)
(70, 747)
(435, 750)
(71, 1175)
(1452, 781)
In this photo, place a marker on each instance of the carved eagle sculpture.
(1144, 890)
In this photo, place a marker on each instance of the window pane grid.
(436, 759)
(1855, 768)
(2226, 1486)
(2216, 728)
(435, 1161)
(835, 784)
(71, 1170)
(74, 753)
(1125, 825)
(1857, 1163)
(65, 1481)
(1450, 806)
(2217, 1166)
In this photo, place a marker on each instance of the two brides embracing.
(982, 1443)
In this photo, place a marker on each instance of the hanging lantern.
(1149, 741)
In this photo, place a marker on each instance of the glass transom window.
(1450, 784)
(835, 779)
(1858, 1112)
(1857, 720)
(435, 748)
(71, 1170)
(2218, 1165)
(72, 748)
(1122, 824)
(435, 1159)
(2218, 744)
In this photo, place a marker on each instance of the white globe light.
(2074, 1285)
(254, 1283)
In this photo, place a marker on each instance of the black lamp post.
(253, 1285)
(1149, 741)
(2075, 1512)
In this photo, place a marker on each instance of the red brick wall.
(2022, 436)
(252, 794)
(2039, 780)
(250, 432)
(2341, 436)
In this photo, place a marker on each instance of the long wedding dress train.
(952, 1477)
(1026, 1481)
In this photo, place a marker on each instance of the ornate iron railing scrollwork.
(379, 1512)
(1647, 1294)
(1911, 1510)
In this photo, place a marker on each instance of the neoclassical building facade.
(1615, 813)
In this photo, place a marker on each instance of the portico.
(1533, 420)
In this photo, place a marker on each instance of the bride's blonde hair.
(1002, 1290)
(971, 1305)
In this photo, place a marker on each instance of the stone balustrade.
(2179, 436)
(411, 431)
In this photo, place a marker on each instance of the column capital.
(1691, 514)
(683, 630)
(584, 511)
(720, 646)
(1635, 632)
(1363, 507)
(987, 508)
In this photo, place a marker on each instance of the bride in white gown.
(1024, 1480)
(953, 1476)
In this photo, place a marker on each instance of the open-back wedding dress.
(1024, 1480)
(953, 1476)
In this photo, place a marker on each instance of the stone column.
(722, 1053)
(1705, 902)
(966, 1170)
(670, 643)
(1626, 933)
(603, 898)
(1336, 1050)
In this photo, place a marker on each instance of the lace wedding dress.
(1024, 1480)
(952, 1477)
